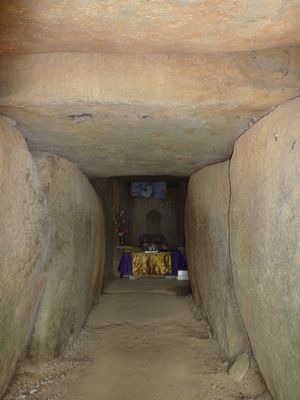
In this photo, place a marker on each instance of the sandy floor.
(144, 341)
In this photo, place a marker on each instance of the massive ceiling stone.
(145, 86)
(115, 114)
(147, 26)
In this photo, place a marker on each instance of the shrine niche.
(155, 209)
(153, 222)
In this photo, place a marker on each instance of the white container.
(183, 275)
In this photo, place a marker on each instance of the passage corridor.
(144, 341)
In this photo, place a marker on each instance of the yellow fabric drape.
(151, 264)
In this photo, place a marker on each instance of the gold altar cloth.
(151, 263)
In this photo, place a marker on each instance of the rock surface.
(266, 396)
(244, 369)
(206, 231)
(127, 114)
(265, 252)
(240, 367)
(23, 248)
(174, 26)
(73, 275)
(104, 189)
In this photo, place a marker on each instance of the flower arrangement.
(120, 219)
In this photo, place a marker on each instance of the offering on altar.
(153, 242)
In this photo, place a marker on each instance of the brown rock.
(23, 247)
(266, 396)
(240, 367)
(206, 231)
(265, 252)
(74, 272)
(126, 114)
(178, 26)
(244, 369)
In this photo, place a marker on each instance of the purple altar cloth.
(125, 266)
(177, 260)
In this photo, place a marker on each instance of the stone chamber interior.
(201, 95)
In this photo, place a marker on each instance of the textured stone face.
(23, 247)
(174, 26)
(264, 230)
(115, 114)
(74, 272)
(206, 231)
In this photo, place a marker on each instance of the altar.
(153, 244)
(151, 263)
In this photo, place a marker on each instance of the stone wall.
(103, 188)
(265, 251)
(23, 247)
(207, 209)
(257, 265)
(121, 200)
(168, 209)
(73, 275)
(52, 251)
(113, 193)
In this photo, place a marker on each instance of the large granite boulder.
(73, 275)
(23, 247)
(207, 246)
(265, 251)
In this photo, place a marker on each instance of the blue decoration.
(149, 189)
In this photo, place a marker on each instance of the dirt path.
(142, 342)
